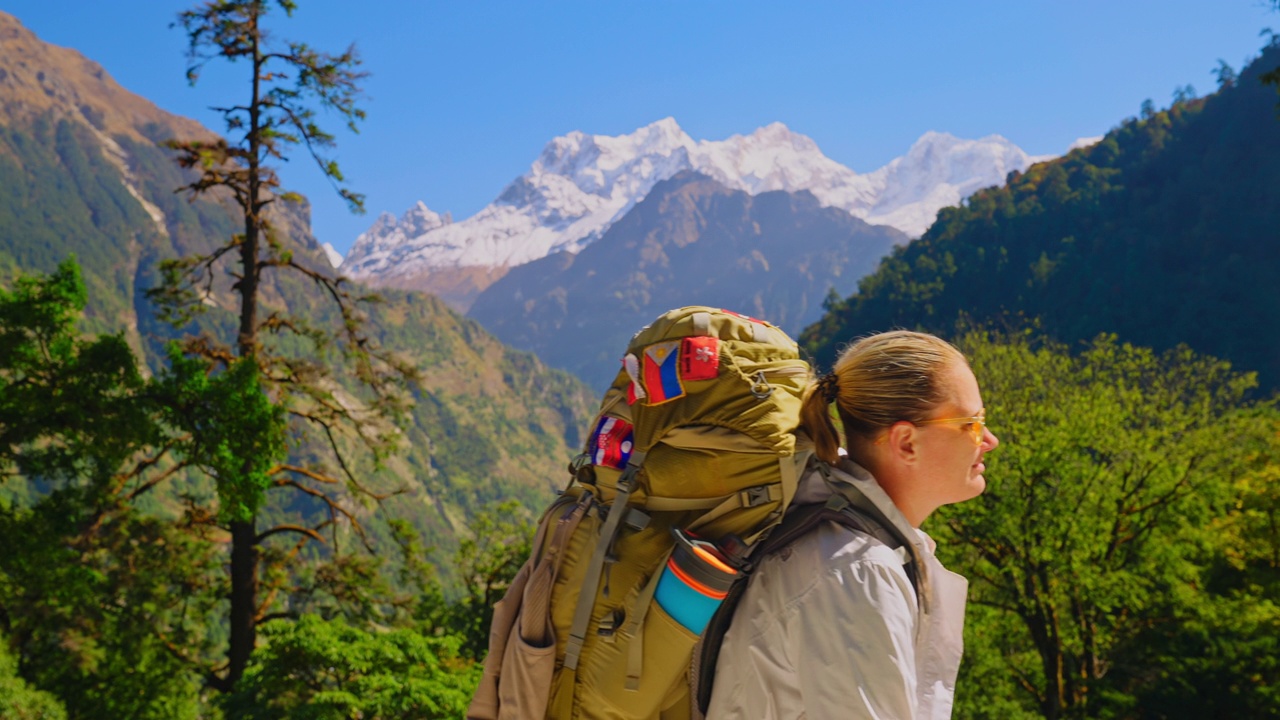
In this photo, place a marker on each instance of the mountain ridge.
(581, 184)
(691, 241)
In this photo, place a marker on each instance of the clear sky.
(463, 95)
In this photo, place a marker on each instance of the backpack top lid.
(709, 397)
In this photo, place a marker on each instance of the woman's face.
(951, 459)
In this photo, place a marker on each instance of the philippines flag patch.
(611, 443)
(661, 372)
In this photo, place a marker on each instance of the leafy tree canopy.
(1092, 550)
(327, 670)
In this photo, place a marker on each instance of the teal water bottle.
(694, 582)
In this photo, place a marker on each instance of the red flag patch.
(611, 443)
(744, 317)
(699, 358)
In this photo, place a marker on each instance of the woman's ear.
(901, 440)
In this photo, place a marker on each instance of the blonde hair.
(878, 381)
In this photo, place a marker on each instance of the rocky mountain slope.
(773, 255)
(582, 184)
(82, 173)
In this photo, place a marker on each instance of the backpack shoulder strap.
(798, 523)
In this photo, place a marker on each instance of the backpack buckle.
(761, 389)
(756, 496)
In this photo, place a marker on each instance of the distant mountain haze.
(82, 173)
(583, 184)
(773, 255)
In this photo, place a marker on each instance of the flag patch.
(635, 391)
(699, 358)
(611, 443)
(744, 317)
(661, 372)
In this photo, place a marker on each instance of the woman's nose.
(989, 440)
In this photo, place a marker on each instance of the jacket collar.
(814, 489)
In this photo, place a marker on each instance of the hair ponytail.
(815, 418)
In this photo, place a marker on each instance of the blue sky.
(463, 95)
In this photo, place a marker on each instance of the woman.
(830, 627)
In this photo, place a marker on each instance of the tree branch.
(289, 528)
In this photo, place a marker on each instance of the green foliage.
(234, 432)
(486, 563)
(1091, 551)
(20, 701)
(1162, 233)
(277, 392)
(289, 83)
(315, 669)
(61, 196)
(1220, 654)
(104, 605)
(70, 408)
(112, 611)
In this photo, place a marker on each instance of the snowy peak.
(581, 184)
(938, 171)
(945, 157)
(1085, 142)
(387, 232)
(332, 255)
(594, 162)
(775, 158)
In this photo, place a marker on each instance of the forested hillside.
(105, 193)
(127, 461)
(1163, 233)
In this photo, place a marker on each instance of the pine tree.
(265, 371)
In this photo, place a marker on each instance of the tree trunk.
(244, 535)
(244, 597)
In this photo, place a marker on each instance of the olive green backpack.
(697, 433)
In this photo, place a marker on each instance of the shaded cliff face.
(81, 172)
(692, 241)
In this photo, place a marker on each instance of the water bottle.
(695, 580)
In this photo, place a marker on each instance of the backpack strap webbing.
(798, 523)
(604, 545)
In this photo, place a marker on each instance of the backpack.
(691, 460)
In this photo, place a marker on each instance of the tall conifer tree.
(284, 395)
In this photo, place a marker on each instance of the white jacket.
(830, 627)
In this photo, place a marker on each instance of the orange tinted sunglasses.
(976, 426)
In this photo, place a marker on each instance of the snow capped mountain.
(581, 184)
(387, 233)
(576, 189)
(331, 253)
(938, 171)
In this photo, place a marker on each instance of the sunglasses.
(976, 426)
